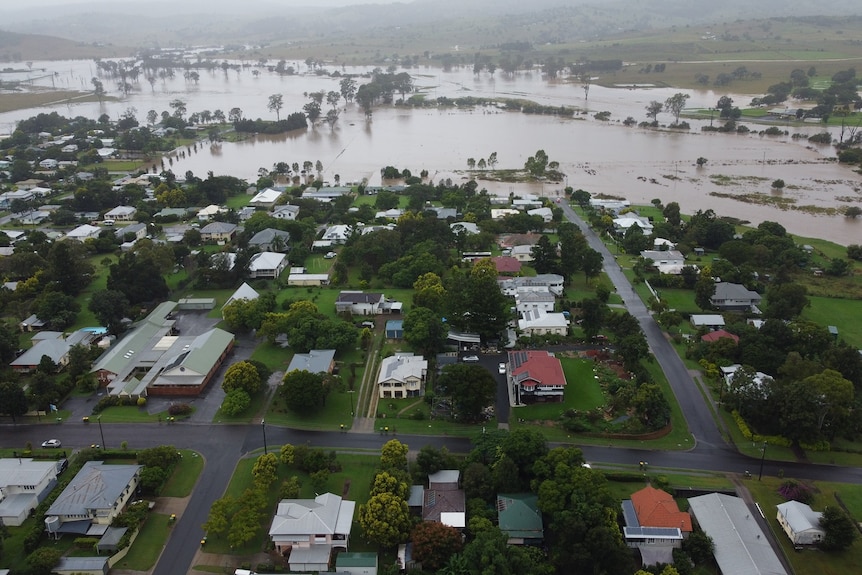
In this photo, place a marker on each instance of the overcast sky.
(16, 4)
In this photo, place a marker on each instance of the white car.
(51, 443)
(329, 255)
(470, 358)
(501, 367)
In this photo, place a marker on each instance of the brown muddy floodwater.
(600, 157)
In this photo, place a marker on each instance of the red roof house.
(657, 508)
(537, 376)
(718, 334)
(507, 265)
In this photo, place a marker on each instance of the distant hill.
(16, 47)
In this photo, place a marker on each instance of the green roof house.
(519, 518)
(364, 563)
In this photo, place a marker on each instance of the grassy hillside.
(16, 47)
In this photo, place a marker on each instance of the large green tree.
(476, 303)
(303, 391)
(471, 387)
(840, 529)
(110, 307)
(242, 375)
(13, 400)
(424, 330)
(385, 520)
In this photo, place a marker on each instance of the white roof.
(85, 231)
(120, 211)
(708, 319)
(244, 291)
(468, 227)
(456, 519)
(265, 261)
(267, 196)
(24, 471)
(538, 317)
(741, 547)
(211, 210)
(800, 516)
(401, 366)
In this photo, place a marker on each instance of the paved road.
(694, 407)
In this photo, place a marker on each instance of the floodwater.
(598, 156)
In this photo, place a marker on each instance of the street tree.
(675, 105)
(235, 402)
(385, 520)
(265, 470)
(393, 455)
(242, 375)
(471, 387)
(13, 400)
(434, 543)
(219, 517)
(275, 104)
(303, 391)
(385, 482)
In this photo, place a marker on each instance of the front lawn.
(148, 544)
(582, 393)
(185, 475)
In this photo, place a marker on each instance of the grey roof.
(24, 471)
(726, 290)
(354, 297)
(267, 236)
(96, 486)
(800, 516)
(417, 496)
(130, 229)
(325, 514)
(155, 325)
(741, 547)
(244, 291)
(218, 228)
(315, 361)
(444, 476)
(56, 349)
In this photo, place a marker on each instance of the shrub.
(180, 409)
(86, 542)
(792, 490)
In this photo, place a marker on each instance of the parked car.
(51, 443)
(501, 367)
(470, 358)
(329, 255)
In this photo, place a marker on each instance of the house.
(210, 212)
(315, 361)
(325, 194)
(364, 563)
(443, 213)
(218, 232)
(394, 329)
(546, 214)
(528, 201)
(734, 297)
(506, 265)
(6, 198)
(528, 300)
(82, 566)
(33, 218)
(507, 241)
(536, 376)
(285, 212)
(359, 303)
(622, 224)
(223, 261)
(93, 498)
(540, 283)
(189, 364)
(309, 529)
(444, 502)
(337, 234)
(609, 205)
(49, 164)
(246, 212)
(759, 380)
(84, 232)
(402, 375)
(500, 213)
(708, 320)
(669, 257)
(522, 253)
(32, 323)
(139, 231)
(657, 508)
(245, 292)
(662, 244)
(518, 516)
(468, 228)
(540, 322)
(741, 547)
(24, 483)
(266, 265)
(718, 334)
(800, 523)
(270, 240)
(55, 349)
(390, 214)
(121, 214)
(266, 198)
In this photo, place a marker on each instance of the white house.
(24, 483)
(390, 214)
(285, 212)
(402, 375)
(659, 257)
(707, 320)
(545, 213)
(542, 282)
(540, 322)
(84, 232)
(304, 279)
(337, 234)
(121, 214)
(267, 265)
(209, 212)
(800, 523)
(265, 198)
(734, 297)
(500, 213)
(309, 529)
(218, 232)
(49, 164)
(522, 253)
(529, 300)
(464, 227)
(245, 292)
(622, 224)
